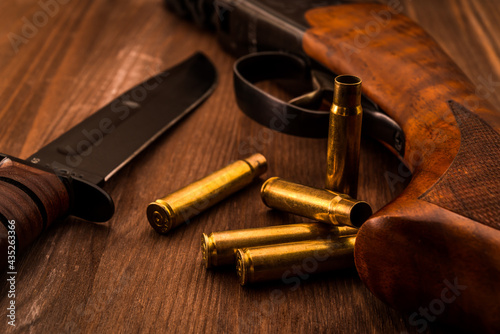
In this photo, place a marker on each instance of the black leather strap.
(301, 120)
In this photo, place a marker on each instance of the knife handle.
(31, 197)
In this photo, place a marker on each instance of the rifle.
(436, 245)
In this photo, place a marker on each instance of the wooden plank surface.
(121, 276)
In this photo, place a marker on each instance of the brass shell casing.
(344, 136)
(282, 261)
(318, 204)
(174, 209)
(219, 248)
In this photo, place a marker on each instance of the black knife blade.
(65, 177)
(99, 146)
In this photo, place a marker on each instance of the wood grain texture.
(123, 277)
(32, 197)
(410, 248)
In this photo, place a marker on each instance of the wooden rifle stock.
(438, 244)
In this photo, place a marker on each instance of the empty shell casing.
(219, 248)
(318, 204)
(183, 204)
(301, 258)
(344, 136)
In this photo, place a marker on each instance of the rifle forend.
(440, 239)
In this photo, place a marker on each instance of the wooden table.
(123, 277)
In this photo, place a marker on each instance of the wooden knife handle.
(32, 198)
(435, 248)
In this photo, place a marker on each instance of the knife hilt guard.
(34, 198)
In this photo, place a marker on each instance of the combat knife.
(64, 178)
